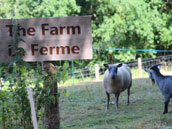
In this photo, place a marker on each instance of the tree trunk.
(111, 58)
(52, 108)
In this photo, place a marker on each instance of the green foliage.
(16, 91)
(38, 8)
(5, 9)
(134, 24)
(65, 72)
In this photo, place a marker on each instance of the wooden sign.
(48, 39)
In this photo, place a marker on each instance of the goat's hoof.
(164, 112)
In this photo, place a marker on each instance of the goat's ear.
(119, 65)
(159, 66)
(106, 65)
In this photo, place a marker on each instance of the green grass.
(85, 106)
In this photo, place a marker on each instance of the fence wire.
(89, 71)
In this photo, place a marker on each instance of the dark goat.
(164, 83)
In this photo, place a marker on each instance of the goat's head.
(113, 69)
(152, 71)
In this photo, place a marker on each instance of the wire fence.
(90, 71)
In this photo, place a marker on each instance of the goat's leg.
(107, 101)
(128, 91)
(166, 106)
(116, 101)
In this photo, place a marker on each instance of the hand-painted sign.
(48, 39)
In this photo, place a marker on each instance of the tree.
(133, 24)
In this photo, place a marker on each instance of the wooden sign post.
(48, 39)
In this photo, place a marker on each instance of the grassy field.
(85, 106)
